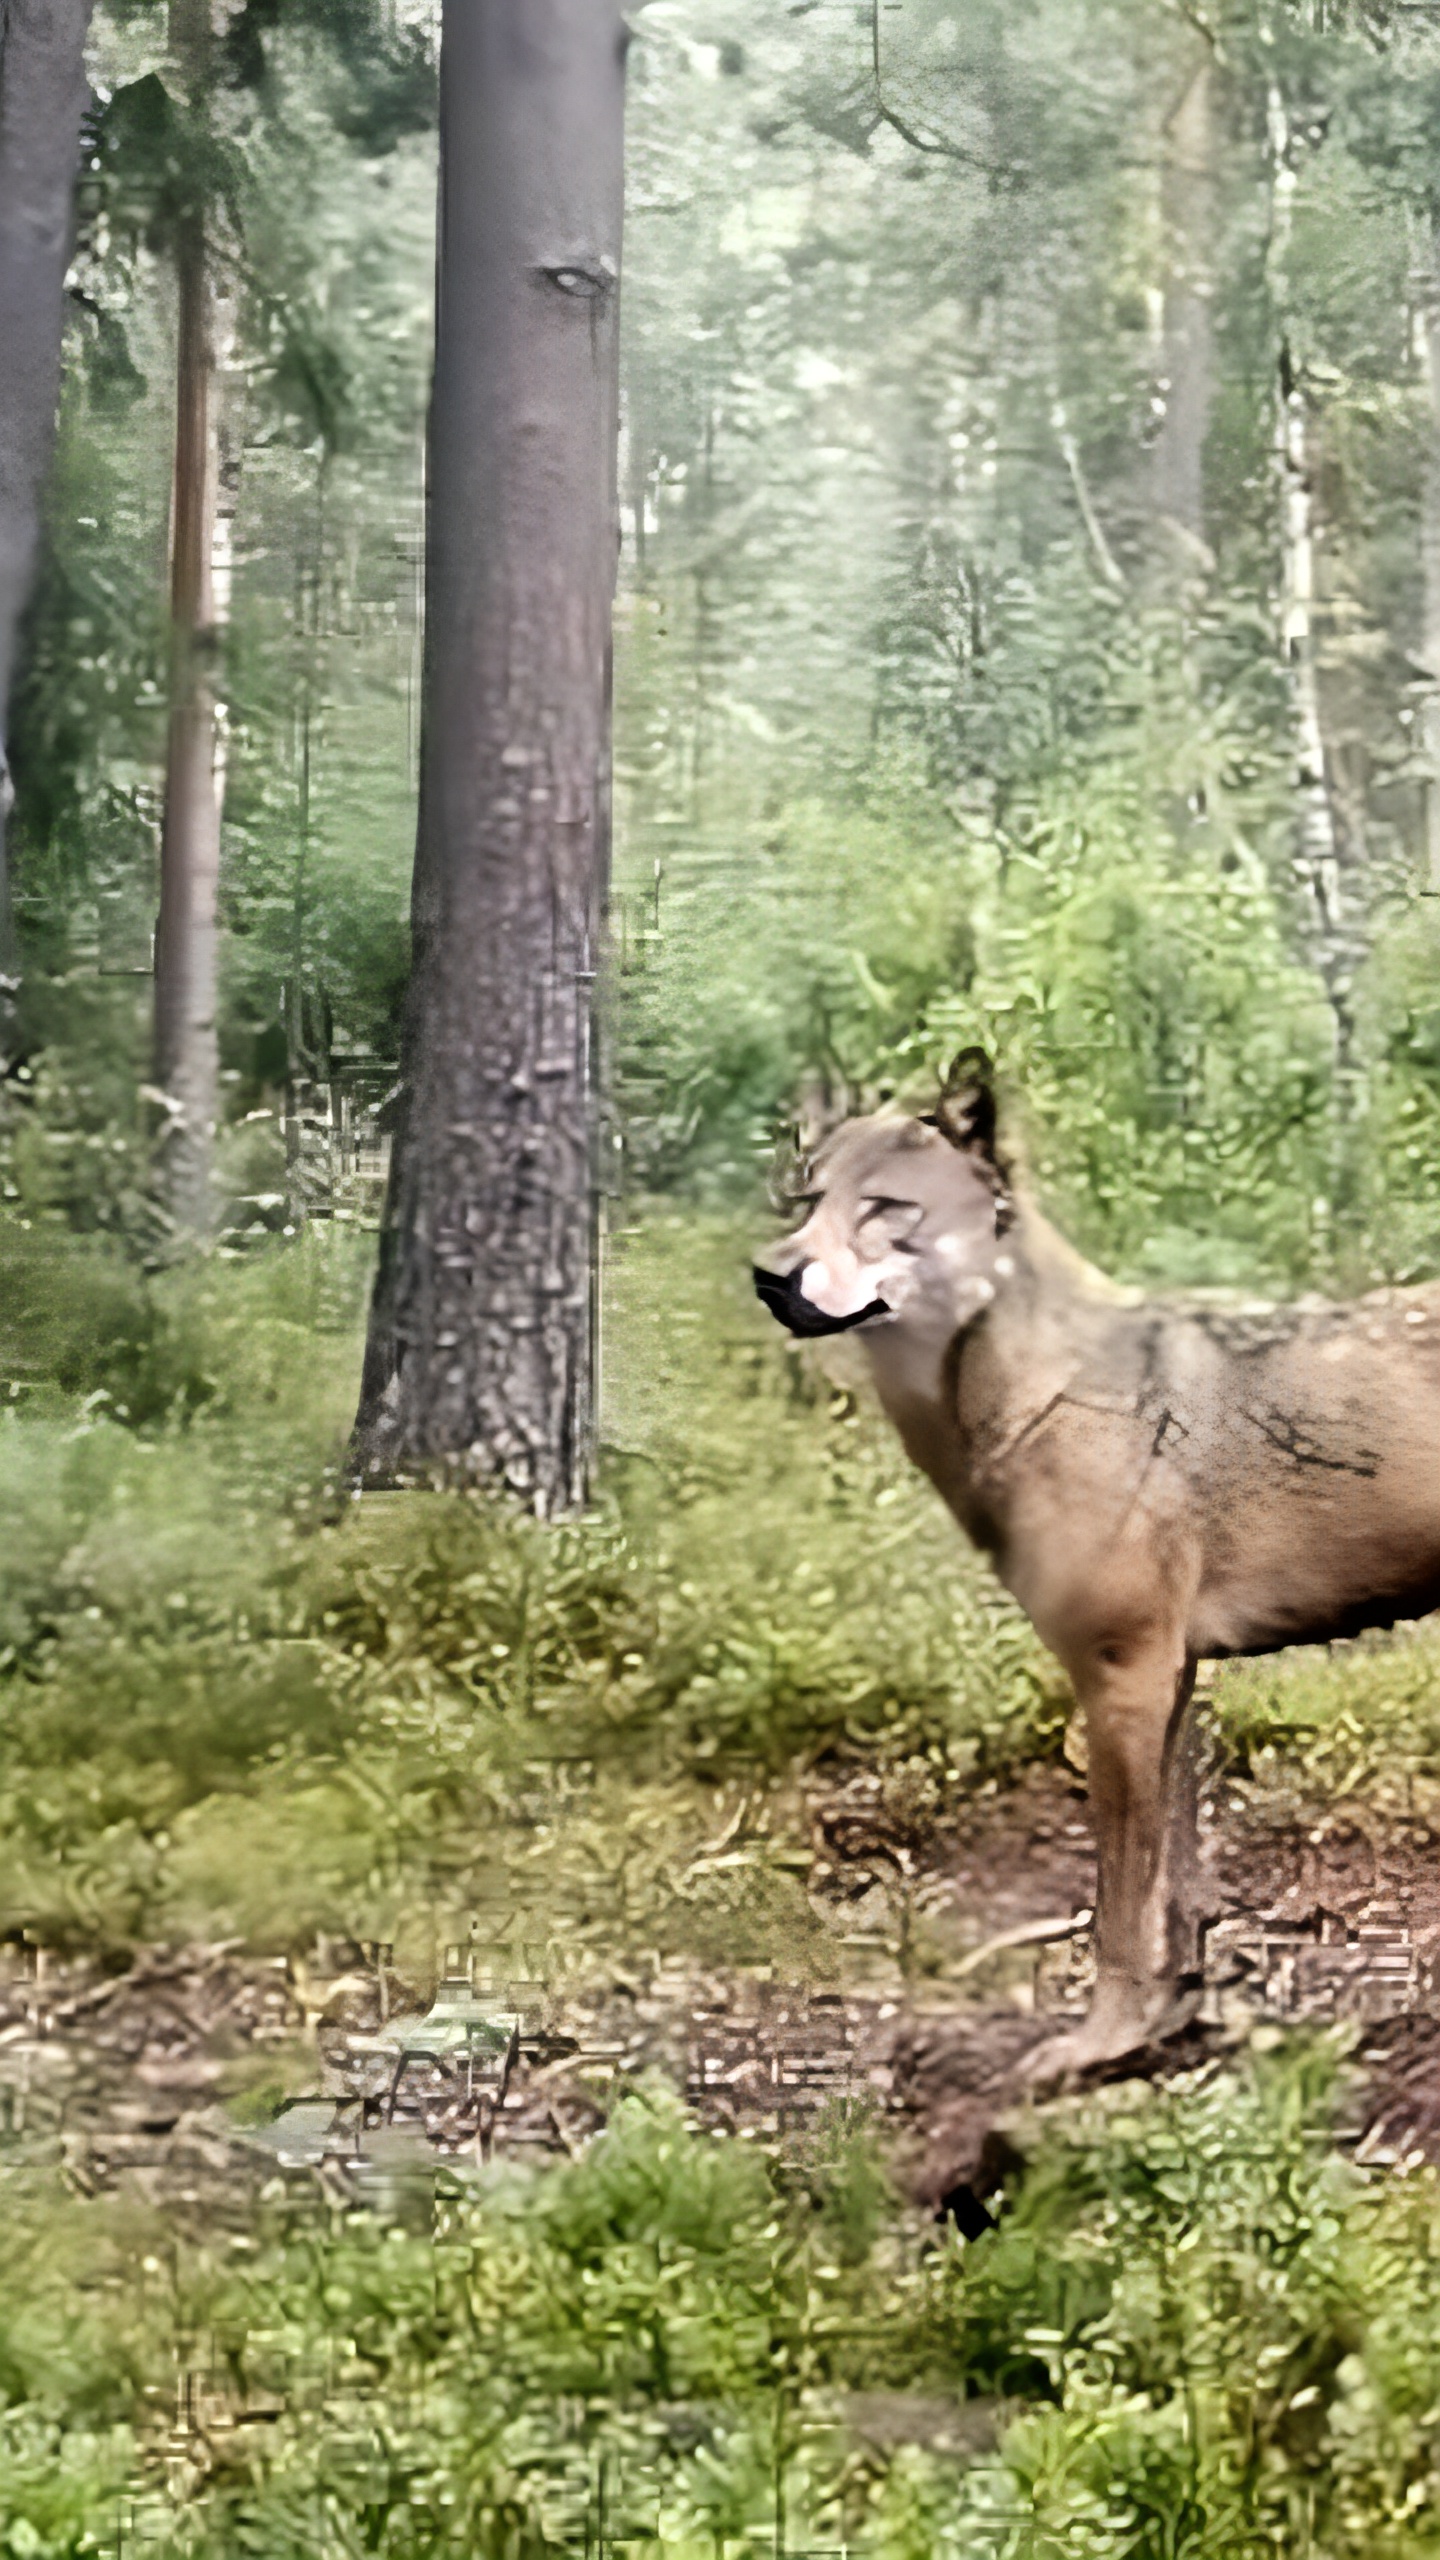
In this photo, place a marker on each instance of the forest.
(510, 1962)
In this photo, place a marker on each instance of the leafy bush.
(1195, 2329)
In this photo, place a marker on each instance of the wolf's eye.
(897, 1219)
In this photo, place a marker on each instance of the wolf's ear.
(965, 1112)
(818, 1109)
(815, 1114)
(827, 1096)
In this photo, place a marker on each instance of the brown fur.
(1155, 1481)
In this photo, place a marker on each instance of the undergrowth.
(235, 1702)
(1356, 1720)
(1195, 2329)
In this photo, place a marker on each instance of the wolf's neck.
(1050, 1275)
(1036, 1284)
(1046, 1298)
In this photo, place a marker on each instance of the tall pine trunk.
(481, 1355)
(186, 1050)
(43, 93)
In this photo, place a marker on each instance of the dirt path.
(140, 2080)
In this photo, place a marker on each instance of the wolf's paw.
(1059, 2061)
(1118, 2032)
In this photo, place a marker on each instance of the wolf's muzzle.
(798, 1313)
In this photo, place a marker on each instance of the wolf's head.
(899, 1213)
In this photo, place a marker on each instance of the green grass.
(1358, 1720)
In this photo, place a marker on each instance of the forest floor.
(748, 1787)
(199, 2072)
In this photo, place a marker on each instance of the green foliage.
(1166, 1057)
(1355, 1720)
(232, 1702)
(386, 74)
(322, 223)
(156, 167)
(1171, 1057)
(417, 1704)
(938, 774)
(1206, 2334)
(961, 770)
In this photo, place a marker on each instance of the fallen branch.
(1110, 568)
(1030, 1933)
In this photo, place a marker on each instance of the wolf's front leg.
(1136, 1696)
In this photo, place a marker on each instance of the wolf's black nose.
(787, 1301)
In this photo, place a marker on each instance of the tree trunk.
(1334, 936)
(43, 92)
(481, 1356)
(1187, 350)
(309, 683)
(1430, 554)
(186, 1053)
(1318, 855)
(1317, 858)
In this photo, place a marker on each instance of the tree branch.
(1110, 567)
(1202, 26)
(935, 144)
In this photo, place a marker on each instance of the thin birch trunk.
(637, 473)
(43, 93)
(1187, 334)
(1429, 262)
(186, 939)
(1109, 566)
(482, 1348)
(1317, 859)
(309, 589)
(1318, 851)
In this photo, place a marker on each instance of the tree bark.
(1317, 857)
(1335, 935)
(1430, 552)
(481, 1355)
(1187, 349)
(186, 1051)
(43, 93)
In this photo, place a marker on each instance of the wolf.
(1156, 1481)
